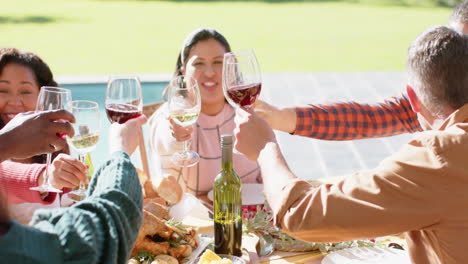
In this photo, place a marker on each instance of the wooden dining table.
(277, 257)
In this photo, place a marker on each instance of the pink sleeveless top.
(205, 140)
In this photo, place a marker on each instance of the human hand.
(283, 119)
(180, 133)
(66, 171)
(125, 137)
(265, 111)
(29, 134)
(248, 123)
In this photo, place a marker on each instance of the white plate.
(367, 255)
(252, 194)
(203, 243)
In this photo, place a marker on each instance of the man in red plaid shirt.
(419, 190)
(344, 121)
(351, 120)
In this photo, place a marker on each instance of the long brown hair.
(4, 216)
(191, 40)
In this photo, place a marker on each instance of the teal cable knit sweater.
(100, 229)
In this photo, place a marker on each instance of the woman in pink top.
(22, 74)
(202, 58)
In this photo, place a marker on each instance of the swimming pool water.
(97, 92)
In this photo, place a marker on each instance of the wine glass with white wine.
(51, 98)
(87, 129)
(184, 108)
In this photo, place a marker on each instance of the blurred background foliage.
(144, 36)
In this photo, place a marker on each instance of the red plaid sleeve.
(351, 120)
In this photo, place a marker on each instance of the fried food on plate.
(159, 236)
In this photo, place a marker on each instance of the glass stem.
(47, 170)
(186, 146)
(82, 188)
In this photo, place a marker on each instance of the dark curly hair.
(41, 70)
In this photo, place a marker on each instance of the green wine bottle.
(89, 163)
(227, 204)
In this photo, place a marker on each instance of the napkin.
(368, 255)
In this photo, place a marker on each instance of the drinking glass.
(123, 98)
(184, 104)
(51, 98)
(242, 81)
(87, 128)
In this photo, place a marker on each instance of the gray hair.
(459, 14)
(438, 69)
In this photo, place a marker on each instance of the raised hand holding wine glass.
(51, 98)
(87, 129)
(242, 81)
(124, 101)
(184, 108)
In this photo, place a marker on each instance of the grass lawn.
(112, 36)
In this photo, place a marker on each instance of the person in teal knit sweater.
(99, 229)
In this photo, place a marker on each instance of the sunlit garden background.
(144, 36)
(315, 38)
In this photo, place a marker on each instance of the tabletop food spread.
(177, 228)
(183, 232)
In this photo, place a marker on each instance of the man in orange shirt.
(420, 190)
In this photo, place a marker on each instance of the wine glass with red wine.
(242, 80)
(51, 98)
(123, 98)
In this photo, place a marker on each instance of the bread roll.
(168, 259)
(169, 189)
(158, 200)
(157, 210)
(149, 191)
